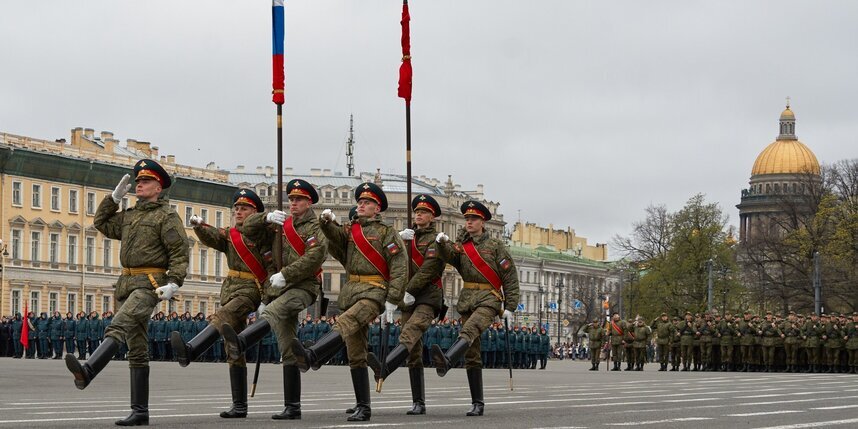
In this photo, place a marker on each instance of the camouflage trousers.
(353, 326)
(473, 324)
(662, 350)
(640, 355)
(131, 323)
(853, 357)
(282, 315)
(674, 354)
(629, 354)
(616, 352)
(747, 354)
(705, 351)
(595, 353)
(234, 313)
(833, 354)
(726, 353)
(813, 355)
(768, 355)
(687, 354)
(791, 351)
(414, 323)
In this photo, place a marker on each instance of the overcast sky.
(575, 113)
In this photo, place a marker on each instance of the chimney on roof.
(88, 132)
(239, 169)
(154, 154)
(326, 172)
(131, 144)
(259, 169)
(76, 135)
(145, 148)
(377, 179)
(287, 171)
(211, 166)
(269, 171)
(109, 144)
(315, 172)
(171, 159)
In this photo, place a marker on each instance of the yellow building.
(53, 257)
(565, 241)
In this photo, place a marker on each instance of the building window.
(203, 307)
(175, 208)
(72, 259)
(171, 306)
(189, 211)
(88, 303)
(55, 198)
(204, 213)
(90, 251)
(37, 196)
(35, 238)
(16, 244)
(219, 219)
(71, 303)
(16, 194)
(105, 303)
(344, 278)
(16, 302)
(203, 264)
(326, 282)
(217, 266)
(344, 195)
(107, 254)
(52, 303)
(528, 277)
(72, 200)
(188, 307)
(217, 306)
(34, 302)
(90, 203)
(53, 249)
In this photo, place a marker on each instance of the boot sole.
(180, 349)
(78, 371)
(300, 355)
(230, 342)
(440, 361)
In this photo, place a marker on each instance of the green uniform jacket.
(616, 336)
(642, 336)
(497, 257)
(387, 242)
(663, 331)
(812, 333)
(726, 330)
(706, 328)
(769, 330)
(595, 335)
(687, 332)
(792, 332)
(746, 330)
(152, 235)
(256, 241)
(835, 336)
(299, 271)
(57, 328)
(421, 285)
(851, 334)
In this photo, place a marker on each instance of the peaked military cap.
(663, 314)
(352, 212)
(300, 188)
(371, 191)
(476, 208)
(426, 202)
(153, 170)
(249, 198)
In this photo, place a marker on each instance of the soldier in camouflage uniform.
(290, 291)
(595, 335)
(851, 338)
(792, 336)
(705, 329)
(155, 259)
(239, 294)
(422, 301)
(643, 334)
(745, 330)
(490, 290)
(725, 331)
(687, 333)
(675, 344)
(833, 341)
(664, 333)
(616, 330)
(768, 330)
(372, 287)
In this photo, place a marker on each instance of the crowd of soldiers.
(750, 343)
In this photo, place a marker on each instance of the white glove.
(389, 308)
(407, 234)
(442, 238)
(195, 220)
(276, 216)
(166, 292)
(327, 216)
(507, 317)
(408, 299)
(260, 310)
(277, 280)
(122, 188)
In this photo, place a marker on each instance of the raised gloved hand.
(260, 310)
(195, 220)
(389, 308)
(166, 292)
(277, 280)
(407, 234)
(327, 216)
(122, 188)
(408, 299)
(276, 216)
(442, 238)
(507, 317)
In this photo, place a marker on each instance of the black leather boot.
(360, 381)
(319, 353)
(445, 361)
(139, 399)
(188, 352)
(291, 394)
(236, 344)
(84, 373)
(616, 366)
(394, 360)
(475, 383)
(418, 392)
(238, 386)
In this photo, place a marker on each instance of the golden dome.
(787, 114)
(786, 157)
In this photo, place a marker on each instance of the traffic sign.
(520, 307)
(552, 305)
(578, 304)
(565, 322)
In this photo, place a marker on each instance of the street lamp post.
(3, 254)
(541, 291)
(559, 301)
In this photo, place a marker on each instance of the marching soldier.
(248, 257)
(833, 341)
(643, 334)
(704, 333)
(155, 260)
(544, 347)
(422, 301)
(372, 253)
(595, 334)
(616, 331)
(490, 289)
(664, 332)
(291, 290)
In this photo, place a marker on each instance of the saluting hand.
(122, 188)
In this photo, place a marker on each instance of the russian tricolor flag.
(278, 28)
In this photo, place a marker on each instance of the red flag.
(405, 68)
(25, 329)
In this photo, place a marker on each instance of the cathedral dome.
(786, 155)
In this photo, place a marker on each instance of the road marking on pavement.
(655, 422)
(370, 425)
(814, 424)
(838, 407)
(764, 413)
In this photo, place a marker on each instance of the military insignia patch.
(392, 248)
(267, 256)
(504, 263)
(311, 242)
(430, 252)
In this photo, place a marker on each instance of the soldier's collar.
(309, 215)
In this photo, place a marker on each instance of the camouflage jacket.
(259, 246)
(386, 241)
(642, 336)
(663, 330)
(497, 257)
(851, 334)
(299, 271)
(421, 284)
(152, 235)
(617, 336)
(812, 333)
(595, 335)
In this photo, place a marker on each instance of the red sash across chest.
(246, 256)
(417, 257)
(295, 240)
(370, 253)
(480, 264)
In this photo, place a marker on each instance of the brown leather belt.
(145, 271)
(483, 286)
(375, 280)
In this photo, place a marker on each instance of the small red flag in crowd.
(405, 68)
